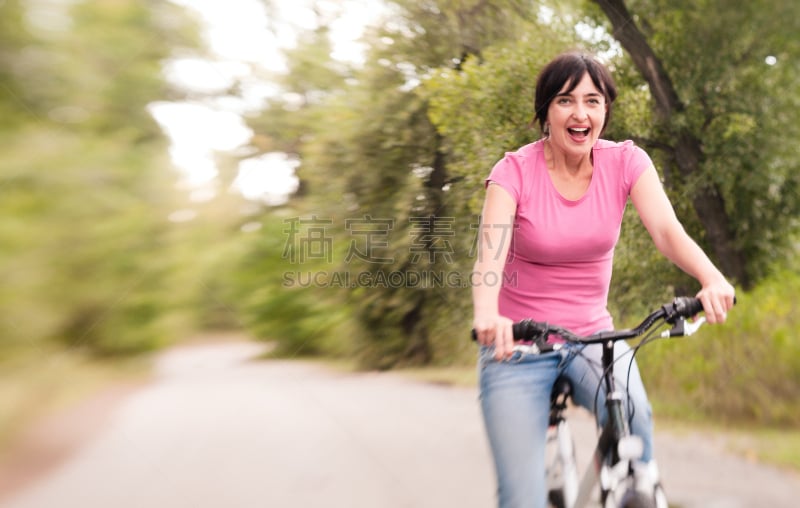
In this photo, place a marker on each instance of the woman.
(564, 197)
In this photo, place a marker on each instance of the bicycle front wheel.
(562, 470)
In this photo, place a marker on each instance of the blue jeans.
(515, 400)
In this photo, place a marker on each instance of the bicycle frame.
(615, 460)
(615, 432)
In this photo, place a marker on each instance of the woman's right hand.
(495, 331)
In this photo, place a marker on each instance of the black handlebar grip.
(519, 330)
(687, 306)
(522, 330)
(527, 329)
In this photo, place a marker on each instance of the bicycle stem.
(608, 366)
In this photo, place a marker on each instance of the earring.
(546, 130)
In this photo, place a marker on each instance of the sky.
(240, 35)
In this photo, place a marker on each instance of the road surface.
(217, 428)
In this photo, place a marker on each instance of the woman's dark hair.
(568, 69)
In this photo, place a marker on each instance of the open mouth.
(578, 132)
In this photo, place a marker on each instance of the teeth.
(581, 129)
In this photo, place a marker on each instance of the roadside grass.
(37, 382)
(779, 447)
(456, 376)
(775, 446)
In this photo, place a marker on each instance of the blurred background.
(309, 174)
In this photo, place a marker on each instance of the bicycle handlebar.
(684, 306)
(672, 313)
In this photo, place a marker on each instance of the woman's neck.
(560, 162)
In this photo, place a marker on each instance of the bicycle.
(625, 481)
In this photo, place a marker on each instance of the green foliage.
(736, 88)
(369, 150)
(747, 370)
(485, 107)
(85, 185)
(282, 299)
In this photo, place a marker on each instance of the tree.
(370, 153)
(86, 186)
(709, 99)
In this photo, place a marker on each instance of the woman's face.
(576, 118)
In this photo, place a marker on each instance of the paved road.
(215, 429)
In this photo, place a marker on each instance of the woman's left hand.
(717, 298)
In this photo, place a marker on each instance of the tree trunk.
(687, 152)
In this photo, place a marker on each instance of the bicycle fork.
(617, 450)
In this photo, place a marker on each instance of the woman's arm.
(671, 239)
(497, 221)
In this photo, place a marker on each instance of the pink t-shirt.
(559, 264)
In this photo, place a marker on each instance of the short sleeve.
(507, 173)
(636, 162)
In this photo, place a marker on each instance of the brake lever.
(683, 328)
